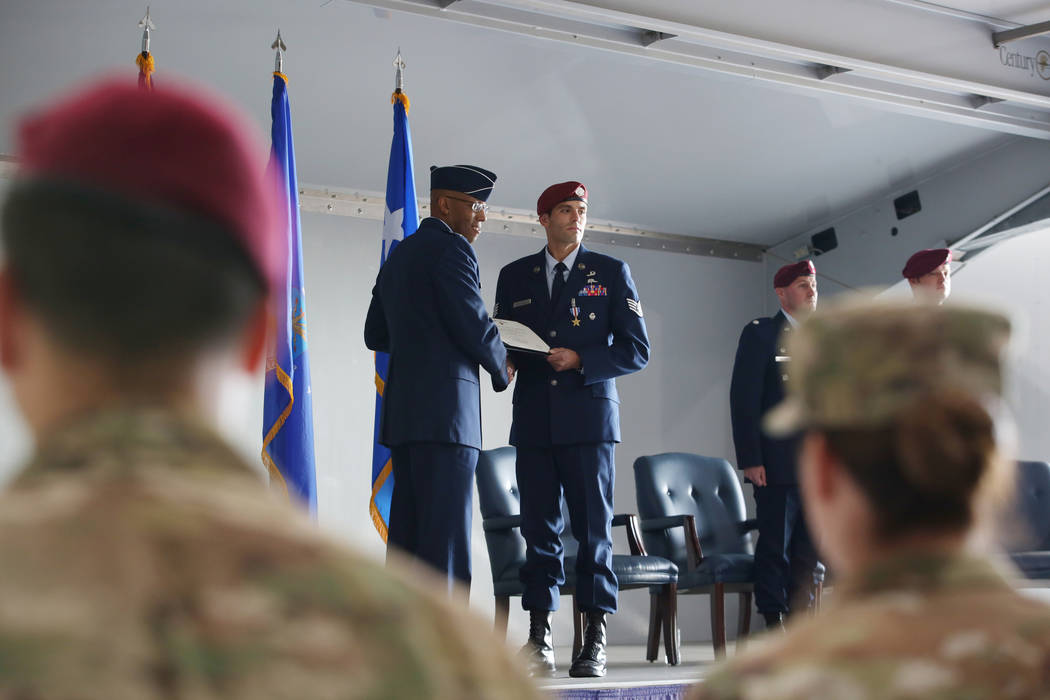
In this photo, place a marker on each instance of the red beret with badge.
(789, 273)
(172, 147)
(571, 191)
(926, 261)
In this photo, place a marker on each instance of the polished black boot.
(591, 661)
(774, 621)
(539, 650)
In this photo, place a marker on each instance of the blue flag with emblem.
(400, 220)
(288, 417)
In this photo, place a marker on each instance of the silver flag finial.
(399, 80)
(278, 61)
(147, 26)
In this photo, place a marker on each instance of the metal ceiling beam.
(968, 241)
(971, 248)
(903, 90)
(513, 222)
(522, 222)
(1000, 38)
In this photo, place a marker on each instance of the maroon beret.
(172, 147)
(571, 191)
(789, 273)
(925, 262)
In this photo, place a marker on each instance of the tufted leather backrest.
(680, 483)
(498, 497)
(1032, 507)
(497, 484)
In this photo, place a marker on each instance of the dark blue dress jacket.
(599, 316)
(758, 384)
(427, 312)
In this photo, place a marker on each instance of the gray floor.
(627, 667)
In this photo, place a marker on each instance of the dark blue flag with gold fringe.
(288, 432)
(400, 220)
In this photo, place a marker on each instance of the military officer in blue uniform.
(784, 555)
(566, 415)
(427, 312)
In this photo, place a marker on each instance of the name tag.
(523, 302)
(782, 358)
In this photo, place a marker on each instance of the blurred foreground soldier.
(141, 557)
(427, 312)
(567, 416)
(784, 555)
(898, 466)
(929, 275)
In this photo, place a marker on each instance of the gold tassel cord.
(401, 97)
(146, 67)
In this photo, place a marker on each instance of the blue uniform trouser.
(586, 475)
(430, 509)
(784, 555)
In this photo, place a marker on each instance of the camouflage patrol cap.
(861, 363)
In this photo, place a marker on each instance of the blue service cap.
(468, 179)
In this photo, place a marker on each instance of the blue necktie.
(559, 283)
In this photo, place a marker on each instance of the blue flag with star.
(400, 220)
(288, 417)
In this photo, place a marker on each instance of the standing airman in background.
(929, 275)
(901, 408)
(567, 416)
(784, 555)
(142, 557)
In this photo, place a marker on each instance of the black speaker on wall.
(823, 241)
(907, 204)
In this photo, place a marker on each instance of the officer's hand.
(511, 370)
(756, 475)
(562, 359)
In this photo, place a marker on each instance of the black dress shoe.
(539, 649)
(774, 621)
(591, 661)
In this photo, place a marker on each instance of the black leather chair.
(1028, 539)
(692, 511)
(501, 519)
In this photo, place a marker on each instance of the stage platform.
(631, 677)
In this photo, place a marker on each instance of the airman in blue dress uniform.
(427, 312)
(566, 415)
(784, 555)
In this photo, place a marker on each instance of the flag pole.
(278, 59)
(145, 59)
(288, 435)
(400, 221)
(399, 82)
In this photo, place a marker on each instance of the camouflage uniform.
(932, 623)
(921, 626)
(142, 559)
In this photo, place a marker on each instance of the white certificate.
(520, 337)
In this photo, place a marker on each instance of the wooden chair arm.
(505, 522)
(634, 536)
(694, 553)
